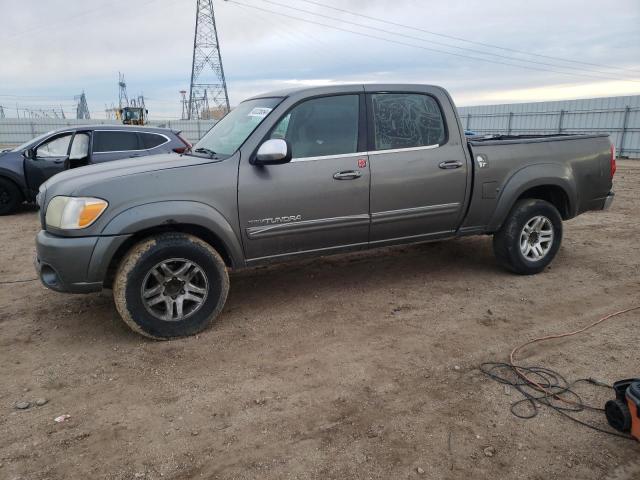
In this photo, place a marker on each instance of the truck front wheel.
(529, 238)
(170, 285)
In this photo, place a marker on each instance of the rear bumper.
(74, 264)
(608, 200)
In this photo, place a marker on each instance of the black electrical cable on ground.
(546, 387)
(561, 397)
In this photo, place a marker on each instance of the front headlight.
(73, 213)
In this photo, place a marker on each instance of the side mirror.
(29, 153)
(273, 152)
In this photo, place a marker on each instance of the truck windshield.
(233, 129)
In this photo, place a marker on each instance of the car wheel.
(529, 238)
(10, 197)
(171, 285)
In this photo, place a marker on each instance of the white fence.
(617, 116)
(15, 131)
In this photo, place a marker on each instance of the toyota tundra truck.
(308, 172)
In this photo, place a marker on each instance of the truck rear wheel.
(529, 238)
(171, 285)
(10, 197)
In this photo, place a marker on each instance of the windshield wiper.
(208, 151)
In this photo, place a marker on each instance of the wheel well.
(18, 187)
(554, 195)
(195, 230)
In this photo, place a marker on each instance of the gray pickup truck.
(311, 171)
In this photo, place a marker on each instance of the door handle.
(347, 175)
(449, 164)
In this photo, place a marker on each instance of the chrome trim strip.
(365, 154)
(415, 212)
(442, 234)
(302, 252)
(306, 226)
(399, 150)
(329, 157)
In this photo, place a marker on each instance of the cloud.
(56, 49)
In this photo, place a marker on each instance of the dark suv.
(25, 168)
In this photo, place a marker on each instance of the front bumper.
(74, 264)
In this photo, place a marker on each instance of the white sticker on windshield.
(259, 112)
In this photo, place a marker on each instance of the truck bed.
(504, 166)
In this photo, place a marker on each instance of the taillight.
(187, 145)
(613, 160)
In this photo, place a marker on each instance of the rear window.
(406, 120)
(151, 140)
(107, 141)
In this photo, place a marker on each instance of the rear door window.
(321, 127)
(115, 141)
(151, 140)
(80, 146)
(406, 120)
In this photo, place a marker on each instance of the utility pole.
(82, 109)
(1, 111)
(185, 104)
(123, 99)
(141, 101)
(208, 88)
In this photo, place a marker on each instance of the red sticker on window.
(362, 162)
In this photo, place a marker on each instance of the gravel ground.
(357, 366)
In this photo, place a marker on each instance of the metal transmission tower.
(208, 89)
(1, 111)
(185, 104)
(82, 109)
(123, 99)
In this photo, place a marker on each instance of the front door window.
(58, 147)
(321, 127)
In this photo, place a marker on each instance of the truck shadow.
(395, 267)
(291, 285)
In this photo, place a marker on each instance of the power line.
(46, 28)
(452, 37)
(397, 42)
(465, 49)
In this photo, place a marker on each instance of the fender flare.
(537, 175)
(167, 213)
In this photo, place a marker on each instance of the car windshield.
(233, 129)
(132, 114)
(19, 148)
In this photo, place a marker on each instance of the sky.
(51, 51)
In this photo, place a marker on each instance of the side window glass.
(406, 120)
(58, 147)
(321, 126)
(114, 141)
(151, 140)
(79, 147)
(281, 129)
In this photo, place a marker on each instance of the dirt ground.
(361, 366)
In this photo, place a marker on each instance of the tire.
(10, 197)
(151, 280)
(529, 252)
